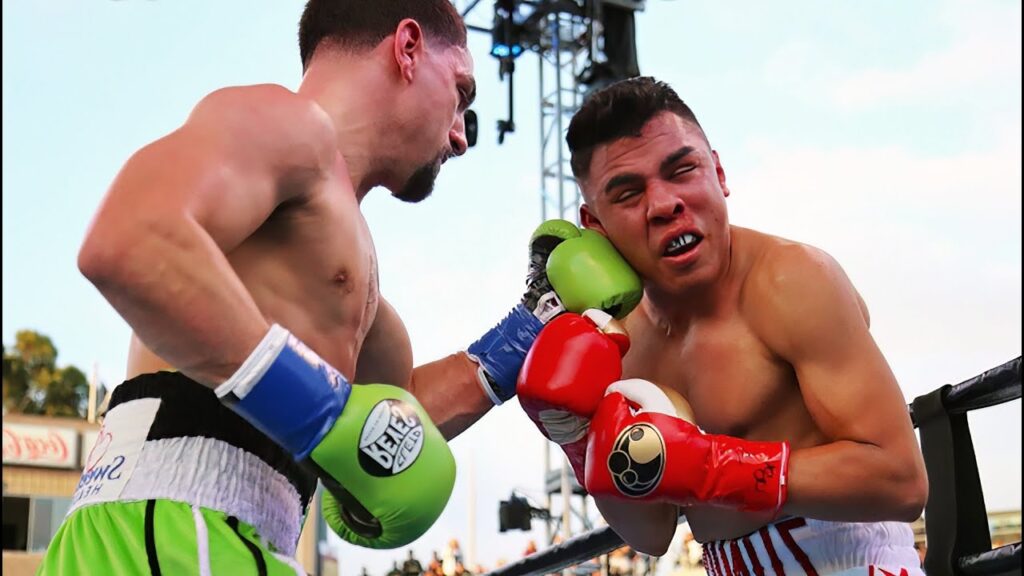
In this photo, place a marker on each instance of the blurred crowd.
(448, 562)
(451, 562)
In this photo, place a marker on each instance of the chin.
(420, 185)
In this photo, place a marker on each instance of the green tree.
(33, 384)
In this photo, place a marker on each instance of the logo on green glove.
(638, 460)
(391, 439)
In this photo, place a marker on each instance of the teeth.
(683, 241)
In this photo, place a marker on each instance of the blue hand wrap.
(502, 349)
(288, 392)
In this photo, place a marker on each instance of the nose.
(663, 204)
(457, 136)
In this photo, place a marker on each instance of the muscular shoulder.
(272, 121)
(791, 286)
(780, 267)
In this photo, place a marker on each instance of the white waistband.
(212, 474)
(806, 546)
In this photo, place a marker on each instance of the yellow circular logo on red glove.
(638, 460)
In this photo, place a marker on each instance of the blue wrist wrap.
(288, 392)
(502, 349)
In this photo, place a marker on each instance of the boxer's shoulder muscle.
(790, 284)
(268, 125)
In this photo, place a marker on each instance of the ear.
(589, 220)
(408, 47)
(721, 174)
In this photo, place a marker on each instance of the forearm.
(854, 482)
(177, 291)
(450, 392)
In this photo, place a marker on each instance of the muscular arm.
(810, 315)
(451, 393)
(156, 247)
(447, 388)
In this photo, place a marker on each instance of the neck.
(350, 90)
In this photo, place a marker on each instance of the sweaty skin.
(766, 338)
(249, 214)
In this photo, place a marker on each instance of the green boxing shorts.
(179, 484)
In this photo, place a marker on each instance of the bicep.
(386, 353)
(817, 322)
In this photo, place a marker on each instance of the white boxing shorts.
(798, 546)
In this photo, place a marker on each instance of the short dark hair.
(618, 111)
(357, 25)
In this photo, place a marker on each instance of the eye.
(683, 170)
(625, 195)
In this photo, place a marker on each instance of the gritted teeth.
(682, 244)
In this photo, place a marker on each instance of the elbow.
(112, 248)
(913, 497)
(98, 259)
(650, 544)
(102, 257)
(652, 548)
(646, 528)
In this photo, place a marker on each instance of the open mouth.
(682, 244)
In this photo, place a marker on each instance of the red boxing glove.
(650, 454)
(564, 377)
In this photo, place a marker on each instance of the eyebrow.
(621, 179)
(674, 157)
(633, 178)
(471, 93)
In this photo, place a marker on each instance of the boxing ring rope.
(956, 521)
(957, 532)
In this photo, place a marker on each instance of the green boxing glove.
(387, 469)
(570, 269)
(586, 271)
(399, 472)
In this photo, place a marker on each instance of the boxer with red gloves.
(766, 338)
(638, 448)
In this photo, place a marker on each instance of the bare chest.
(314, 269)
(733, 383)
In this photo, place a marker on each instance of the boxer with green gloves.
(570, 270)
(265, 359)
